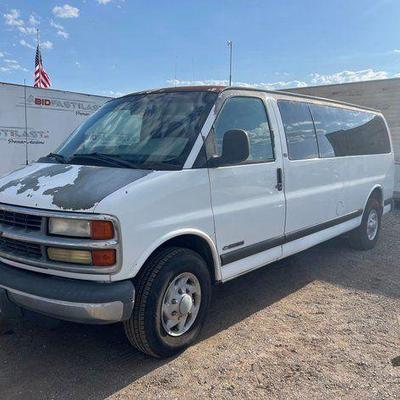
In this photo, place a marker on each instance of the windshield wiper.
(159, 165)
(110, 159)
(58, 157)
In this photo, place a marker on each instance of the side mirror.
(235, 149)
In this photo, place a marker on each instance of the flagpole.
(26, 128)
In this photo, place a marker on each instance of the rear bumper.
(66, 299)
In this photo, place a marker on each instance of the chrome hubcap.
(372, 224)
(181, 304)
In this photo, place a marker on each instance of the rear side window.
(330, 125)
(366, 133)
(249, 114)
(299, 129)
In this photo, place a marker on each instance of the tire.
(146, 329)
(362, 238)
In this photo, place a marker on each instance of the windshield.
(150, 131)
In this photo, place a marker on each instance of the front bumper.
(67, 299)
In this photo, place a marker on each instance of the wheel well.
(195, 243)
(377, 194)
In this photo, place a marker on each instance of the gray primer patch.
(92, 185)
(31, 181)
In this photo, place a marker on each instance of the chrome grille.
(20, 249)
(20, 220)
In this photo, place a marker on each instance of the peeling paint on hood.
(64, 187)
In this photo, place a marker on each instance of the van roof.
(219, 89)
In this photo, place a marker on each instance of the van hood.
(64, 187)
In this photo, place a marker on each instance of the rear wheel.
(172, 298)
(366, 235)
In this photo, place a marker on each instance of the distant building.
(383, 95)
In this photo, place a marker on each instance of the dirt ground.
(323, 324)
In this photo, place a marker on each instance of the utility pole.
(230, 45)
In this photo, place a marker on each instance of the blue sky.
(119, 46)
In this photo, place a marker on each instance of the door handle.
(279, 179)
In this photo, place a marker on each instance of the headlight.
(96, 229)
(69, 227)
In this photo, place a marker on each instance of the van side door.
(248, 204)
(313, 184)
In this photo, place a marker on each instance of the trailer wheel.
(366, 235)
(172, 298)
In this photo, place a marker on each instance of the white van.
(161, 194)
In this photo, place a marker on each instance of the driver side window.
(248, 114)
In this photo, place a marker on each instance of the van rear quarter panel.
(363, 174)
(152, 210)
(367, 172)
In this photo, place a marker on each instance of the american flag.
(42, 80)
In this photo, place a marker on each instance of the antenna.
(230, 45)
(175, 69)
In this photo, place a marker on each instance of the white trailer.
(34, 122)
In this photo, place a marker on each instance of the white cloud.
(348, 76)
(396, 51)
(258, 85)
(315, 80)
(55, 25)
(33, 20)
(24, 43)
(46, 45)
(66, 11)
(12, 65)
(111, 93)
(1, 54)
(63, 34)
(27, 30)
(12, 18)
(78, 64)
(103, 1)
(60, 29)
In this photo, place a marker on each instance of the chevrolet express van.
(161, 194)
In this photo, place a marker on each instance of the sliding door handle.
(279, 179)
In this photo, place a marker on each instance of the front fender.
(172, 235)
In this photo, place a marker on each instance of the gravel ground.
(323, 324)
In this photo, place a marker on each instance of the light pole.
(230, 45)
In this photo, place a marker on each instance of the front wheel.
(172, 298)
(366, 235)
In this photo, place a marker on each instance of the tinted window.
(299, 129)
(366, 133)
(330, 125)
(249, 114)
(342, 132)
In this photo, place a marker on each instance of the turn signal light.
(103, 258)
(101, 230)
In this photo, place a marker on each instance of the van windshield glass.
(150, 131)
